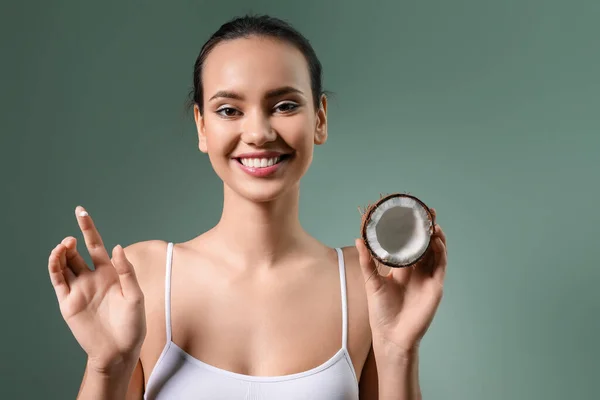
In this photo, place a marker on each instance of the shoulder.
(357, 294)
(147, 257)
(146, 250)
(350, 254)
(361, 335)
(354, 278)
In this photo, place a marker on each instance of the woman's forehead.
(254, 63)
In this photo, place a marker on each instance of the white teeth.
(259, 162)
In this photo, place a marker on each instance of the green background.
(489, 111)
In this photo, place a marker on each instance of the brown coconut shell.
(366, 217)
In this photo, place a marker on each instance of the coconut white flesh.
(399, 230)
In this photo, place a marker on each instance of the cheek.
(297, 131)
(221, 137)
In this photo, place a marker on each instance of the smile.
(262, 167)
(259, 162)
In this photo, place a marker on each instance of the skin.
(257, 271)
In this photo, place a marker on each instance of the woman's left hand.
(403, 303)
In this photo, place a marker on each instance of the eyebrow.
(227, 94)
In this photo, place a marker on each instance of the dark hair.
(262, 25)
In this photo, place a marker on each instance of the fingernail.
(82, 213)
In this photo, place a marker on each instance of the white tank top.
(178, 375)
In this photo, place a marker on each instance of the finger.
(373, 280)
(74, 260)
(127, 277)
(67, 271)
(62, 257)
(404, 275)
(441, 261)
(92, 238)
(58, 280)
(424, 265)
(439, 232)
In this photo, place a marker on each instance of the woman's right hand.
(104, 307)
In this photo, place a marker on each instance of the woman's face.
(259, 124)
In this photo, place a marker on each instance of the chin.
(264, 192)
(279, 185)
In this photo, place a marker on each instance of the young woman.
(254, 308)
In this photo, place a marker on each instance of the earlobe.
(200, 128)
(321, 135)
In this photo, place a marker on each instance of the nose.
(257, 129)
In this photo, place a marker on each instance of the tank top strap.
(342, 268)
(168, 290)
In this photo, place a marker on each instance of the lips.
(261, 159)
(261, 164)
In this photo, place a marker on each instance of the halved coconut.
(397, 229)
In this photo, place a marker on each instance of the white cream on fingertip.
(83, 213)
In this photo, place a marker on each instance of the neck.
(261, 234)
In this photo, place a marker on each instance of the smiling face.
(259, 124)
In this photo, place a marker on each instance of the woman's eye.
(286, 107)
(227, 112)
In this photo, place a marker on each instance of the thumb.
(373, 280)
(129, 284)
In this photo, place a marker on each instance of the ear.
(200, 127)
(321, 127)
